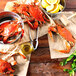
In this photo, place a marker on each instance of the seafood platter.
(22, 22)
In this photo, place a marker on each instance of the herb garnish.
(73, 64)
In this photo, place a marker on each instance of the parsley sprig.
(73, 64)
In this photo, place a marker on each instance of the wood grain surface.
(41, 64)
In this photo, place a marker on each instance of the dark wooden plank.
(70, 3)
(47, 69)
(41, 55)
(43, 41)
(70, 9)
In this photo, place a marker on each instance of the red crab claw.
(34, 25)
(50, 30)
(67, 50)
(5, 67)
(45, 18)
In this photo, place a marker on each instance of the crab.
(31, 14)
(64, 33)
(9, 29)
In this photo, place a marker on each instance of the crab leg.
(3, 52)
(31, 25)
(68, 47)
(13, 62)
(50, 30)
(5, 40)
(45, 19)
(10, 54)
(26, 14)
(13, 53)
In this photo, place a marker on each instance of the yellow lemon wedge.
(56, 9)
(44, 4)
(51, 1)
(49, 8)
(60, 7)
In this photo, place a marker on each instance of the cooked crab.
(31, 14)
(64, 33)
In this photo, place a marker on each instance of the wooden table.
(41, 64)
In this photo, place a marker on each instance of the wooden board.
(59, 44)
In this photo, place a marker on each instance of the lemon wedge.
(44, 4)
(51, 1)
(60, 7)
(56, 9)
(49, 8)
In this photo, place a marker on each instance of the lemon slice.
(61, 7)
(56, 9)
(44, 4)
(49, 8)
(44, 1)
(51, 1)
(58, 1)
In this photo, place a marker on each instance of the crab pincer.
(5, 67)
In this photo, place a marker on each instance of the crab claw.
(50, 30)
(5, 67)
(34, 25)
(68, 47)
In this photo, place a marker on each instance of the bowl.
(8, 16)
(54, 15)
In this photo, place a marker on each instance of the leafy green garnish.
(73, 64)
